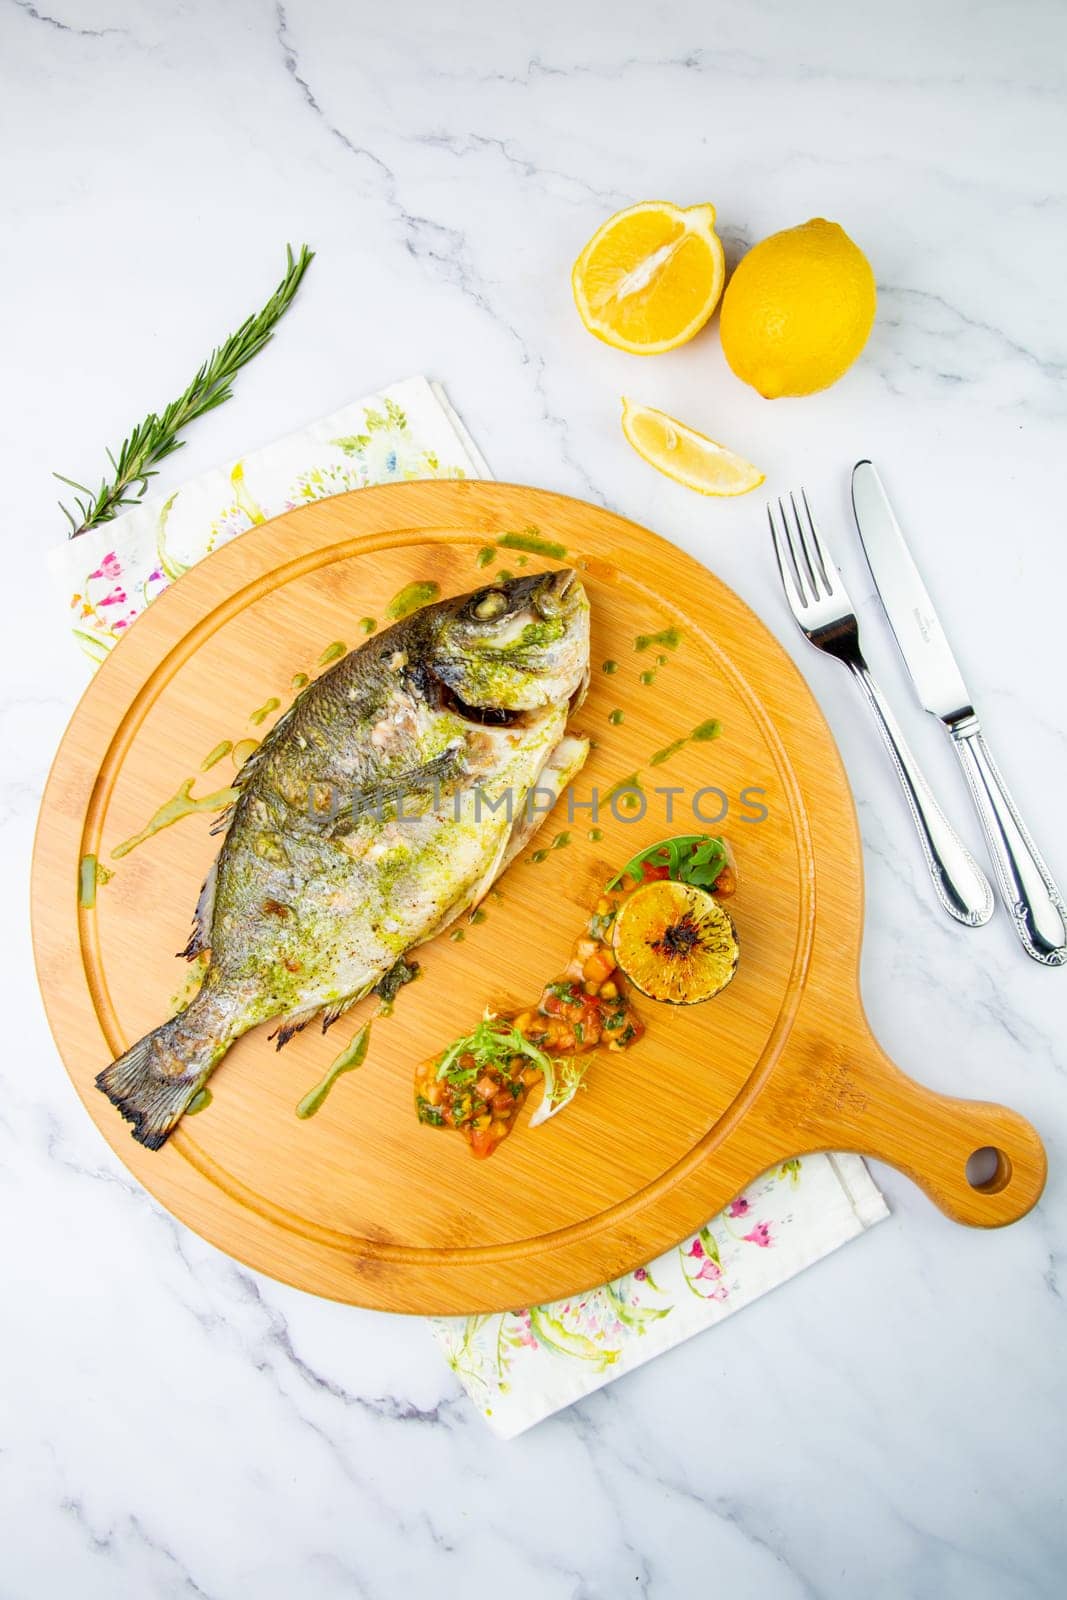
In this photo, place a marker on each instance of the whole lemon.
(798, 309)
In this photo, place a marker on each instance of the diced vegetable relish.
(481, 1090)
(480, 1083)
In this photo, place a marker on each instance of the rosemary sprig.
(157, 436)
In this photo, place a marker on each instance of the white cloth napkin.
(521, 1366)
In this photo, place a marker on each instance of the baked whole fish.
(381, 807)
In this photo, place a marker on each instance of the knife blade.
(1026, 884)
(926, 651)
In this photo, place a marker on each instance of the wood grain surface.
(360, 1202)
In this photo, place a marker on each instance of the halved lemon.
(684, 454)
(650, 278)
(675, 942)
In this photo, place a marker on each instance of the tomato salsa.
(480, 1083)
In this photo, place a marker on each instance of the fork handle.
(1028, 888)
(959, 882)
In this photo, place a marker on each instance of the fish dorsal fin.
(200, 938)
(223, 820)
(252, 764)
(250, 768)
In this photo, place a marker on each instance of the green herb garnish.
(561, 1087)
(400, 973)
(695, 858)
(492, 1044)
(428, 1113)
(157, 436)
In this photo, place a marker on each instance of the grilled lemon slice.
(675, 942)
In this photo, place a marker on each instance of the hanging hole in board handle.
(988, 1169)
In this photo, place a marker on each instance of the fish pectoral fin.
(334, 1013)
(425, 779)
(337, 1008)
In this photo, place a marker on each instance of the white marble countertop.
(890, 1423)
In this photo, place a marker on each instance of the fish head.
(515, 646)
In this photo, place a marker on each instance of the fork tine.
(792, 582)
(825, 563)
(809, 564)
(802, 566)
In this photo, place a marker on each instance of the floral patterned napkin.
(110, 575)
(521, 1366)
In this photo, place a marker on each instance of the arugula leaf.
(705, 864)
(695, 858)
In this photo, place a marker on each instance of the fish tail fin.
(153, 1083)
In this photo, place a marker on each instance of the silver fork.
(819, 601)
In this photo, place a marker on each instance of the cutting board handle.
(859, 1100)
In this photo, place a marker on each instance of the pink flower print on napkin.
(739, 1207)
(109, 568)
(760, 1234)
(527, 1336)
(708, 1269)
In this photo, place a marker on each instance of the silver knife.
(1026, 885)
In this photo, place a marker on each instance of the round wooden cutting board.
(360, 1202)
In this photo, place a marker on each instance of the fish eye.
(492, 604)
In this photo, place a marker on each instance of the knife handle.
(1028, 888)
(958, 880)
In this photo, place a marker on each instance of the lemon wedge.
(650, 278)
(685, 455)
